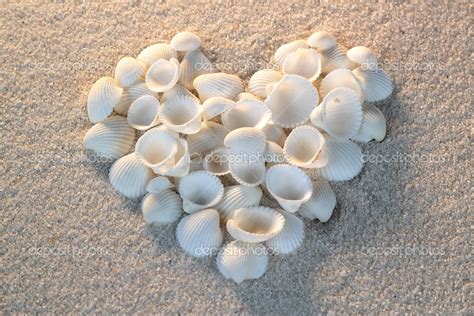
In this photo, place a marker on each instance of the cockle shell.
(283, 51)
(129, 176)
(158, 184)
(274, 153)
(363, 56)
(246, 113)
(249, 140)
(129, 70)
(215, 106)
(103, 97)
(303, 62)
(289, 185)
(185, 41)
(200, 190)
(162, 75)
(238, 196)
(240, 261)
(182, 160)
(182, 114)
(275, 134)
(193, 65)
(177, 90)
(143, 113)
(112, 137)
(218, 85)
(291, 236)
(373, 124)
(376, 84)
(131, 94)
(246, 96)
(251, 173)
(303, 147)
(217, 162)
(259, 81)
(163, 207)
(321, 41)
(292, 101)
(335, 58)
(199, 234)
(321, 204)
(211, 136)
(341, 78)
(157, 150)
(155, 52)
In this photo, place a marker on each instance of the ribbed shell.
(303, 146)
(215, 106)
(321, 204)
(335, 58)
(143, 113)
(103, 97)
(129, 70)
(157, 149)
(291, 236)
(177, 90)
(211, 136)
(248, 173)
(303, 62)
(362, 55)
(155, 52)
(238, 196)
(275, 134)
(158, 184)
(274, 153)
(247, 113)
(129, 176)
(259, 81)
(182, 114)
(217, 162)
(218, 85)
(249, 140)
(182, 160)
(185, 41)
(321, 41)
(131, 94)
(376, 84)
(373, 124)
(162, 75)
(164, 207)
(341, 78)
(193, 65)
(283, 51)
(200, 190)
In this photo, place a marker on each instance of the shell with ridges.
(259, 81)
(217, 162)
(163, 207)
(376, 84)
(248, 140)
(130, 176)
(200, 190)
(155, 52)
(211, 136)
(303, 62)
(238, 196)
(284, 50)
(182, 160)
(363, 56)
(162, 75)
(335, 58)
(246, 113)
(321, 41)
(182, 114)
(177, 90)
(143, 113)
(157, 150)
(303, 147)
(103, 97)
(274, 153)
(218, 85)
(291, 236)
(185, 41)
(215, 106)
(249, 173)
(373, 125)
(275, 134)
(129, 70)
(131, 94)
(321, 204)
(341, 78)
(158, 184)
(193, 65)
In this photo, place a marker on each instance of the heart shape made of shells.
(201, 128)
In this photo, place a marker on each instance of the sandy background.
(400, 237)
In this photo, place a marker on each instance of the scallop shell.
(129, 176)
(335, 58)
(182, 114)
(200, 190)
(303, 147)
(112, 137)
(274, 153)
(162, 75)
(103, 97)
(241, 261)
(291, 236)
(363, 56)
(143, 113)
(155, 52)
(217, 162)
(321, 204)
(289, 185)
(157, 150)
(286, 49)
(292, 101)
(304, 62)
(275, 134)
(376, 84)
(247, 113)
(341, 78)
(130, 95)
(248, 140)
(158, 184)
(246, 96)
(182, 160)
(218, 85)
(164, 207)
(129, 70)
(193, 65)
(250, 173)
(211, 136)
(177, 90)
(373, 124)
(259, 81)
(321, 41)
(185, 41)
(255, 224)
(215, 106)
(238, 196)
(199, 234)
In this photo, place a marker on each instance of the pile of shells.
(200, 129)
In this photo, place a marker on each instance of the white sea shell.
(335, 58)
(274, 153)
(157, 150)
(241, 261)
(199, 234)
(162, 75)
(112, 137)
(259, 81)
(200, 190)
(249, 140)
(131, 94)
(246, 96)
(163, 207)
(238, 196)
(218, 85)
(129, 176)
(143, 113)
(165, 128)
(289, 185)
(155, 52)
(321, 41)
(215, 106)
(275, 134)
(255, 224)
(182, 160)
(292, 101)
(158, 184)
(217, 161)
(340, 113)
(363, 56)
(341, 78)
(303, 62)
(129, 70)
(103, 97)
(373, 124)
(286, 49)
(211, 136)
(321, 204)
(185, 41)
(303, 147)
(376, 84)
(291, 236)
(246, 113)
(194, 64)
(182, 114)
(177, 90)
(251, 173)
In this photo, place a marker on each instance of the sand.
(399, 240)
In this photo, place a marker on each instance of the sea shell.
(292, 101)
(218, 85)
(241, 261)
(249, 173)
(157, 150)
(158, 184)
(185, 41)
(211, 136)
(112, 137)
(103, 97)
(143, 113)
(155, 52)
(215, 106)
(259, 81)
(199, 234)
(129, 176)
(217, 162)
(373, 124)
(193, 65)
(341, 78)
(303, 62)
(286, 49)
(335, 58)
(321, 41)
(255, 224)
(165, 128)
(249, 140)
(182, 160)
(291, 236)
(246, 113)
(340, 113)
(275, 134)
(162, 75)
(131, 94)
(182, 114)
(238, 196)
(200, 190)
(303, 147)
(363, 56)
(274, 153)
(129, 70)
(164, 207)
(289, 185)
(376, 84)
(321, 204)
(177, 90)
(246, 96)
